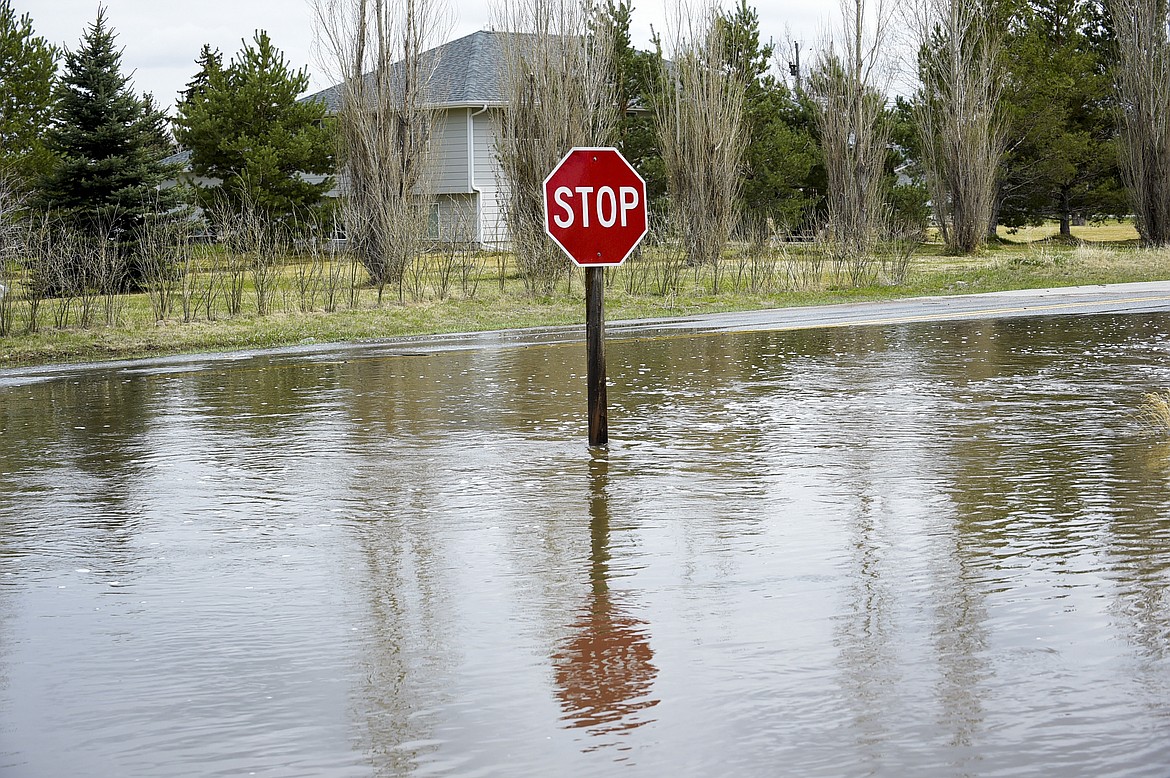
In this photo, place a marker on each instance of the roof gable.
(467, 71)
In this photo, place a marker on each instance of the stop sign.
(595, 206)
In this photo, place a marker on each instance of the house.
(468, 94)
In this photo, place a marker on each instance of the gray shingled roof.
(178, 158)
(469, 71)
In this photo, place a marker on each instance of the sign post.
(595, 210)
(595, 356)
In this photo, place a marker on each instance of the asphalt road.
(1103, 299)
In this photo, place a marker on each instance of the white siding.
(489, 179)
(449, 152)
(453, 220)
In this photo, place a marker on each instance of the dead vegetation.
(560, 95)
(848, 86)
(701, 133)
(960, 116)
(376, 50)
(1143, 91)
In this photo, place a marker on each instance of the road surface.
(1145, 297)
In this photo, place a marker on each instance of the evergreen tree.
(109, 144)
(28, 66)
(1062, 158)
(246, 130)
(210, 64)
(784, 178)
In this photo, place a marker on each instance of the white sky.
(162, 38)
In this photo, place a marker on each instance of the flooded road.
(930, 549)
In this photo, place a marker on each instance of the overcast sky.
(162, 38)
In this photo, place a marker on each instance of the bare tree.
(960, 116)
(161, 246)
(12, 204)
(560, 95)
(40, 250)
(1143, 91)
(255, 245)
(701, 132)
(196, 282)
(309, 270)
(847, 86)
(110, 271)
(377, 50)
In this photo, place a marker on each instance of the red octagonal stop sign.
(595, 206)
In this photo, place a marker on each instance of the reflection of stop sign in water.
(595, 206)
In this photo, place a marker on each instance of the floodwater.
(927, 549)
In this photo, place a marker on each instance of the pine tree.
(1062, 158)
(246, 129)
(210, 64)
(110, 144)
(28, 66)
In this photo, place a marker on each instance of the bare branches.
(376, 50)
(560, 95)
(1143, 91)
(11, 207)
(960, 115)
(701, 132)
(847, 86)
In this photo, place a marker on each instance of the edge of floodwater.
(1134, 297)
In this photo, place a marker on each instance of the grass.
(1155, 412)
(1112, 230)
(493, 297)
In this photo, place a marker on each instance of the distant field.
(1112, 231)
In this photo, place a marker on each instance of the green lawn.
(1113, 231)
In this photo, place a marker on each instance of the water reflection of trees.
(850, 417)
(1140, 545)
(263, 399)
(405, 666)
(1050, 474)
(94, 423)
(860, 424)
(522, 390)
(604, 670)
(1016, 462)
(75, 450)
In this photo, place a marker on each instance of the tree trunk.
(1065, 214)
(993, 223)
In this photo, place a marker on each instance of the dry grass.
(1154, 412)
(327, 297)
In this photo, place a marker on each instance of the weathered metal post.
(595, 349)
